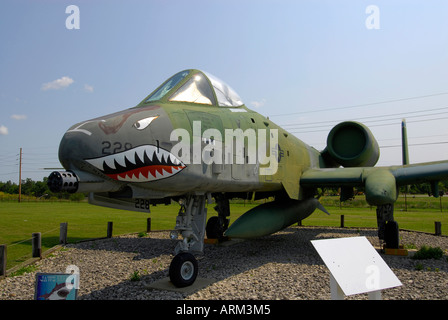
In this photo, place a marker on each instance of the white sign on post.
(355, 267)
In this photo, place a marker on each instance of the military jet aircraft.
(193, 139)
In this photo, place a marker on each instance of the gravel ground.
(281, 266)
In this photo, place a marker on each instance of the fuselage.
(215, 149)
(191, 138)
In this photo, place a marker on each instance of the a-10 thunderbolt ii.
(193, 139)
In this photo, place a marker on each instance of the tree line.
(40, 189)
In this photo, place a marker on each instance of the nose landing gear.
(183, 270)
(190, 224)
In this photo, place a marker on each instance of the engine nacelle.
(351, 144)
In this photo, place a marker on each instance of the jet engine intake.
(63, 181)
(351, 144)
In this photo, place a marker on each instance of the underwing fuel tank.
(271, 217)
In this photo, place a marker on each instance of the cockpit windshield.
(200, 88)
(226, 96)
(170, 84)
(196, 90)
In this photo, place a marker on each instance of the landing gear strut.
(387, 227)
(190, 224)
(218, 224)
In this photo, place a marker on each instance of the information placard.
(355, 265)
(56, 286)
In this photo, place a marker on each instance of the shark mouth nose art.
(140, 164)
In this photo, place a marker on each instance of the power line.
(415, 144)
(370, 126)
(401, 114)
(8, 173)
(361, 105)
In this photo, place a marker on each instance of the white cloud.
(258, 104)
(88, 88)
(3, 130)
(57, 84)
(18, 116)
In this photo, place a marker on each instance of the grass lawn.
(85, 221)
(413, 213)
(20, 220)
(418, 220)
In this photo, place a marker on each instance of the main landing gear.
(191, 225)
(217, 225)
(387, 227)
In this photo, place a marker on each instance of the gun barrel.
(63, 181)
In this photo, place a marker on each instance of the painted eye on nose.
(142, 124)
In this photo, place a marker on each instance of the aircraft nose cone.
(77, 145)
(121, 145)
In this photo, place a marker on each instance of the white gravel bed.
(281, 266)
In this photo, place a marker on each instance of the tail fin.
(404, 142)
(405, 155)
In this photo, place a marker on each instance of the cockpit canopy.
(196, 86)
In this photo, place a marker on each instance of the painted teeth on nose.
(140, 164)
(173, 159)
(123, 159)
(119, 160)
(140, 153)
(109, 162)
(160, 153)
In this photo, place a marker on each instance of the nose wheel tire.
(183, 270)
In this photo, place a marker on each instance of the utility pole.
(20, 176)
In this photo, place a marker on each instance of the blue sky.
(306, 64)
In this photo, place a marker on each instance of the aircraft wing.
(380, 183)
(417, 173)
